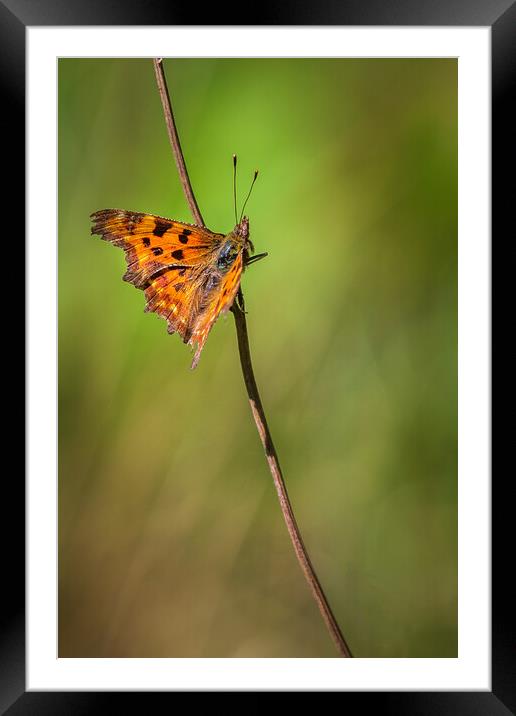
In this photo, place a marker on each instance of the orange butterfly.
(189, 274)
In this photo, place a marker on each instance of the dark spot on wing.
(146, 241)
(177, 254)
(157, 251)
(181, 270)
(132, 220)
(161, 227)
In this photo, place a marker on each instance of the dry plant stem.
(279, 484)
(174, 140)
(252, 390)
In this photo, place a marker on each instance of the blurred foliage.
(171, 541)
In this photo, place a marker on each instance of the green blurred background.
(171, 541)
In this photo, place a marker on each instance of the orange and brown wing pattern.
(152, 243)
(175, 264)
(170, 295)
(216, 302)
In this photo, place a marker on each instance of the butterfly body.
(188, 273)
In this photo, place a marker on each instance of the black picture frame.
(15, 16)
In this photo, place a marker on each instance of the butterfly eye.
(227, 256)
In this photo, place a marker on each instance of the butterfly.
(189, 274)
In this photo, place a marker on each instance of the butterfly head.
(242, 228)
(241, 232)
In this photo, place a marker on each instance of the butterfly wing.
(171, 295)
(152, 244)
(175, 265)
(218, 301)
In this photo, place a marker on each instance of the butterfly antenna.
(234, 186)
(249, 194)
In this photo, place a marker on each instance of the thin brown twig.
(174, 141)
(252, 388)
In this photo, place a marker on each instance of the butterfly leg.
(240, 300)
(253, 259)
